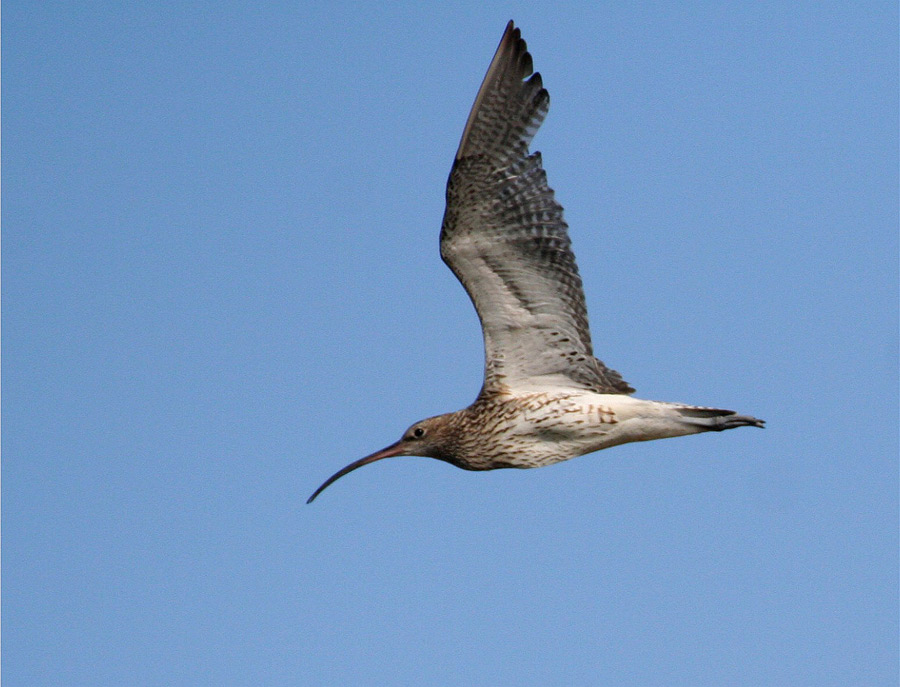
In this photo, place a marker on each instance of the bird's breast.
(542, 428)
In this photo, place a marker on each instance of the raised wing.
(505, 239)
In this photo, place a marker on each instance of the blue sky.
(221, 284)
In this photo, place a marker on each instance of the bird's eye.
(418, 432)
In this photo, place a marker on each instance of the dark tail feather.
(718, 420)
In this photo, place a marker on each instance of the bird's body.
(526, 430)
(545, 397)
(530, 430)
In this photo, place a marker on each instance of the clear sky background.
(221, 283)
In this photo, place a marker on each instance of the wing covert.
(505, 239)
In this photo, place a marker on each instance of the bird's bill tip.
(388, 452)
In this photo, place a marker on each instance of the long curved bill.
(389, 452)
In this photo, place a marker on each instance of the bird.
(545, 397)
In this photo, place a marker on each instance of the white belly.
(568, 425)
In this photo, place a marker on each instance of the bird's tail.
(717, 419)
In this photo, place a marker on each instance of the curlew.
(545, 397)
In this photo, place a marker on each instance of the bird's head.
(429, 438)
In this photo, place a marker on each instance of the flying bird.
(545, 397)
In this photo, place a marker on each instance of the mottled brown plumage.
(505, 239)
(545, 397)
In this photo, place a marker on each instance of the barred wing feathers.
(505, 239)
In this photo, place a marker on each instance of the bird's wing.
(505, 239)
